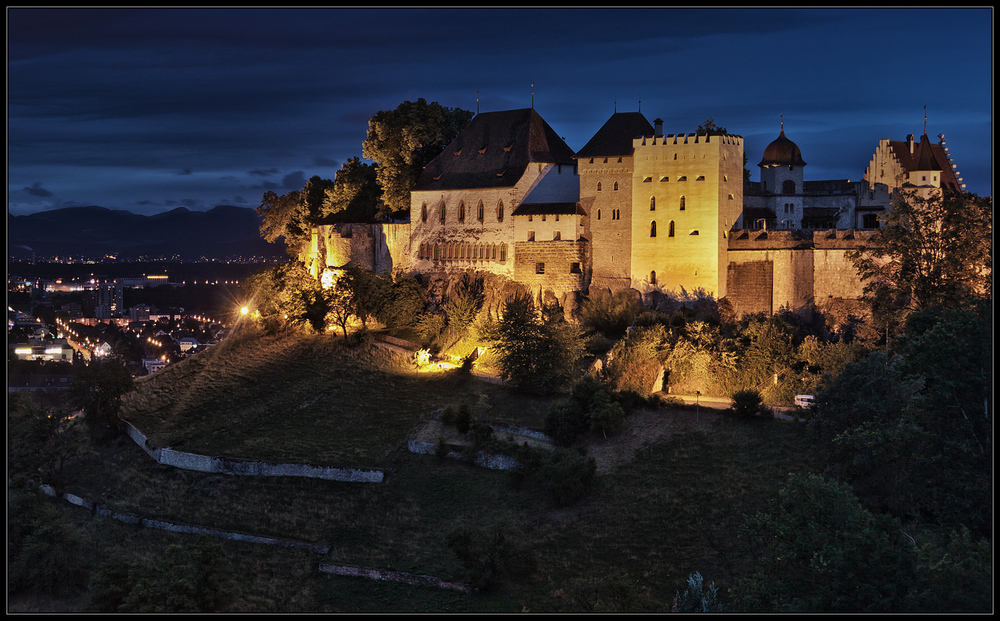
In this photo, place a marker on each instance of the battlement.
(680, 140)
(830, 239)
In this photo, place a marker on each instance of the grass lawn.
(648, 524)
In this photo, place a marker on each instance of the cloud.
(294, 181)
(186, 171)
(325, 162)
(38, 190)
(259, 172)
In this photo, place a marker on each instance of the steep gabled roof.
(926, 156)
(615, 137)
(493, 151)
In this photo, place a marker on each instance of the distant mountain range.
(219, 233)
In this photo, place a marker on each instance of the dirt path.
(642, 428)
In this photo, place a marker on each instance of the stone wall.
(770, 270)
(555, 266)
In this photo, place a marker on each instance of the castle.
(636, 209)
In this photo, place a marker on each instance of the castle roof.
(925, 156)
(535, 209)
(493, 151)
(782, 152)
(615, 137)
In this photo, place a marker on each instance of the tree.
(355, 195)
(819, 550)
(287, 295)
(98, 390)
(293, 215)
(927, 251)
(41, 441)
(533, 355)
(697, 598)
(492, 555)
(403, 141)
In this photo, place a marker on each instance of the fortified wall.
(794, 269)
(379, 248)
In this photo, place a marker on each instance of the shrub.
(568, 476)
(748, 404)
(493, 556)
(697, 598)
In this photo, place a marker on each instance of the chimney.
(658, 126)
(909, 142)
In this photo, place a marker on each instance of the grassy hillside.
(670, 488)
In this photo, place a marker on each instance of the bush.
(568, 476)
(748, 404)
(493, 556)
(565, 423)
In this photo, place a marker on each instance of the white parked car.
(804, 401)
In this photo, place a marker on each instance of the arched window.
(652, 203)
(461, 211)
(652, 277)
(683, 203)
(479, 211)
(652, 228)
(503, 252)
(670, 229)
(598, 186)
(616, 186)
(598, 214)
(788, 187)
(499, 211)
(423, 212)
(443, 213)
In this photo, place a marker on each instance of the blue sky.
(148, 110)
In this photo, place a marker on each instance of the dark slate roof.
(750, 214)
(782, 152)
(828, 186)
(926, 156)
(535, 209)
(615, 137)
(493, 151)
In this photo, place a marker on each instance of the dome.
(782, 152)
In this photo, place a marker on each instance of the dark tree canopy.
(354, 195)
(293, 215)
(928, 252)
(403, 141)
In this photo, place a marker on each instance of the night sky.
(148, 110)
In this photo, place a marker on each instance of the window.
(652, 203)
(670, 229)
(574, 268)
(539, 268)
(499, 211)
(664, 179)
(423, 212)
(870, 221)
(557, 217)
(694, 232)
(531, 236)
(479, 211)
(616, 186)
(682, 178)
(652, 228)
(652, 277)
(556, 236)
(461, 211)
(700, 178)
(647, 179)
(683, 203)
(503, 252)
(731, 197)
(788, 187)
(725, 178)
(598, 186)
(443, 212)
(598, 214)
